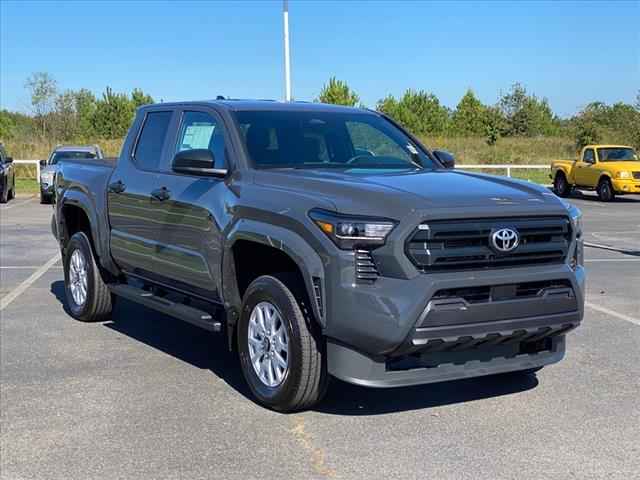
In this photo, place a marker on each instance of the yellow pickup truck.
(610, 170)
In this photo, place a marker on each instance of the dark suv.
(7, 177)
(324, 241)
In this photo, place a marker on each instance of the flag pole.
(287, 60)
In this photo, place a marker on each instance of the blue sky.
(570, 52)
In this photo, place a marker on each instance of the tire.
(12, 193)
(44, 199)
(560, 185)
(97, 303)
(304, 381)
(4, 197)
(605, 190)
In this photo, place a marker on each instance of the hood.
(628, 165)
(358, 191)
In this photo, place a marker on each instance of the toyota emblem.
(505, 240)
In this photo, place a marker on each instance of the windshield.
(57, 156)
(617, 154)
(288, 139)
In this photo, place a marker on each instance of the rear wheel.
(4, 197)
(281, 355)
(88, 296)
(561, 185)
(605, 190)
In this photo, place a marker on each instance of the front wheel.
(88, 297)
(281, 356)
(605, 190)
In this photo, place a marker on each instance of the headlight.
(577, 258)
(46, 177)
(576, 220)
(623, 174)
(348, 232)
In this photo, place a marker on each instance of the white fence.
(508, 168)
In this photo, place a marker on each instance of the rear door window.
(148, 152)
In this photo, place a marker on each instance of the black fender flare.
(289, 242)
(100, 239)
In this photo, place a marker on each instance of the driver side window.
(368, 140)
(199, 130)
(588, 156)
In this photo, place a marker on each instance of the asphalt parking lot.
(146, 396)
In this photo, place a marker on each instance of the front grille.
(366, 270)
(636, 175)
(449, 245)
(491, 293)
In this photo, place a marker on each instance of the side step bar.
(183, 312)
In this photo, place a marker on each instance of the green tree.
(526, 115)
(113, 115)
(418, 111)
(42, 89)
(338, 93)
(7, 125)
(64, 119)
(587, 133)
(139, 98)
(86, 105)
(470, 116)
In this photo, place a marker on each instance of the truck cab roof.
(267, 105)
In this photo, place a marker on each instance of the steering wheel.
(357, 158)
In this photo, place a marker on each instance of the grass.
(27, 185)
(510, 150)
(40, 150)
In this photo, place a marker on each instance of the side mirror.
(447, 159)
(197, 162)
(43, 163)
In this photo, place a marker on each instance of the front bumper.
(626, 186)
(46, 189)
(356, 368)
(394, 333)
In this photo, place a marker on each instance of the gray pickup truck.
(322, 241)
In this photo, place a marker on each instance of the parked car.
(7, 176)
(610, 170)
(324, 241)
(49, 167)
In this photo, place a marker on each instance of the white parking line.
(21, 267)
(607, 247)
(12, 205)
(612, 313)
(16, 292)
(594, 260)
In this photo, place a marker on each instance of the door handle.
(117, 187)
(161, 194)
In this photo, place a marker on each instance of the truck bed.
(85, 182)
